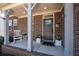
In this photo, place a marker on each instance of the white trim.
(42, 26)
(61, 8)
(33, 6)
(25, 7)
(42, 13)
(23, 16)
(53, 28)
(47, 15)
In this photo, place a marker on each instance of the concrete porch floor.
(50, 50)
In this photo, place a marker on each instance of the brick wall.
(37, 25)
(11, 32)
(76, 29)
(22, 24)
(59, 19)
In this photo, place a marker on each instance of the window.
(10, 22)
(15, 22)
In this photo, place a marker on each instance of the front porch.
(49, 50)
(42, 25)
(48, 23)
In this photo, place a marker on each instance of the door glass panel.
(47, 22)
(48, 29)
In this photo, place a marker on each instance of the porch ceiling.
(50, 7)
(6, 6)
(39, 8)
(3, 4)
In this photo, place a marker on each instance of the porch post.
(6, 28)
(68, 9)
(29, 27)
(53, 28)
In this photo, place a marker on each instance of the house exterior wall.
(37, 26)
(59, 20)
(22, 24)
(76, 29)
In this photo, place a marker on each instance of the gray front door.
(48, 30)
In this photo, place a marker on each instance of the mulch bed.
(5, 54)
(1, 54)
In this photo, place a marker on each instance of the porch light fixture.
(45, 8)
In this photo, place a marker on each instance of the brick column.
(76, 28)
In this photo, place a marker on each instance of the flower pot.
(38, 40)
(58, 42)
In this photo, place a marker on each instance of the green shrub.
(24, 34)
(1, 40)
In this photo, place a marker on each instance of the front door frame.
(53, 25)
(44, 25)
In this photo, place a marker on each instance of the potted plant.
(58, 41)
(24, 35)
(38, 39)
(10, 38)
(1, 42)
